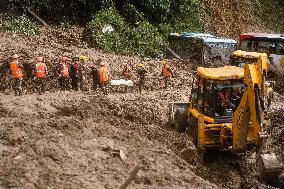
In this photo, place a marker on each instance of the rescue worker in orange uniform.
(16, 70)
(40, 74)
(103, 75)
(166, 73)
(63, 73)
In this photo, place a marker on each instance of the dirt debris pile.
(70, 139)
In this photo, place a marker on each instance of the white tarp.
(122, 82)
(107, 29)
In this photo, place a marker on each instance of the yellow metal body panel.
(247, 111)
(196, 114)
(246, 54)
(262, 60)
(221, 73)
(201, 136)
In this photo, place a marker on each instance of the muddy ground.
(87, 140)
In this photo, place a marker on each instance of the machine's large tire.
(180, 120)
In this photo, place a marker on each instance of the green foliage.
(142, 38)
(56, 11)
(139, 26)
(20, 24)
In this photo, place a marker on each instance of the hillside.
(230, 18)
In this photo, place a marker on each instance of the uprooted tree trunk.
(34, 15)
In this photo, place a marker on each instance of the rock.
(188, 154)
(120, 154)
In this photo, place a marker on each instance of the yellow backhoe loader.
(226, 111)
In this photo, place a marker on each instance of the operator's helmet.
(102, 64)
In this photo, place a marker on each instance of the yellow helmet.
(83, 58)
(141, 65)
(163, 62)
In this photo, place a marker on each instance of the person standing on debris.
(82, 72)
(63, 73)
(166, 73)
(126, 72)
(95, 75)
(16, 70)
(40, 73)
(141, 71)
(103, 75)
(74, 73)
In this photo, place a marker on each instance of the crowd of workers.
(74, 71)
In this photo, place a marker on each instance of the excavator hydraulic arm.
(248, 121)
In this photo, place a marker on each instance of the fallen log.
(35, 15)
(173, 53)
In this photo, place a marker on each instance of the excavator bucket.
(269, 167)
(173, 106)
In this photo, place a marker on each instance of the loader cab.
(240, 58)
(216, 92)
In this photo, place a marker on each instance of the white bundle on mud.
(122, 82)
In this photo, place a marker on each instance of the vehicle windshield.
(269, 46)
(241, 61)
(273, 47)
(221, 98)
